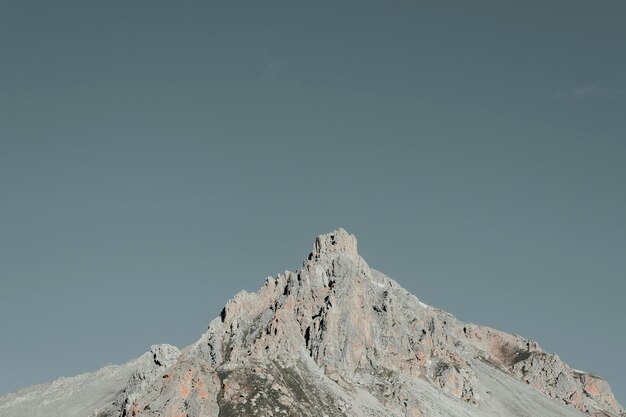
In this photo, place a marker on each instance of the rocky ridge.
(337, 338)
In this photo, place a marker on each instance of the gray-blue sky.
(157, 158)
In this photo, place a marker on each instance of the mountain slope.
(87, 393)
(337, 338)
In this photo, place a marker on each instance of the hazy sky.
(157, 157)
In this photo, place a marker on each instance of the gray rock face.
(90, 394)
(335, 338)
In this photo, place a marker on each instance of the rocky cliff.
(335, 338)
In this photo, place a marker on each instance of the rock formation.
(335, 338)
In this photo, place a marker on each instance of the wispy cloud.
(276, 70)
(274, 67)
(588, 91)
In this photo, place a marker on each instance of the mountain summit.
(335, 338)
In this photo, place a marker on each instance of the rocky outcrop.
(547, 373)
(97, 394)
(337, 338)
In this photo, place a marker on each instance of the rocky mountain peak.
(336, 242)
(338, 338)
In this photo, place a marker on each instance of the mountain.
(335, 338)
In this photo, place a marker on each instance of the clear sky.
(157, 157)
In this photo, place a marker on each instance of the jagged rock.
(337, 338)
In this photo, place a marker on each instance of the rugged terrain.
(335, 338)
